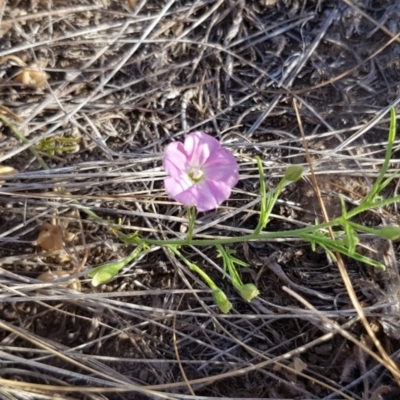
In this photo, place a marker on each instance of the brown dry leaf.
(6, 111)
(51, 276)
(268, 3)
(19, 61)
(5, 170)
(131, 4)
(32, 76)
(298, 364)
(50, 237)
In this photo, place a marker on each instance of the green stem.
(191, 213)
(274, 235)
(267, 201)
(263, 220)
(389, 150)
(219, 296)
(210, 283)
(244, 238)
(24, 140)
(115, 267)
(363, 228)
(369, 206)
(228, 264)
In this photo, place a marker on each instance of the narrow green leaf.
(368, 261)
(228, 264)
(330, 246)
(351, 239)
(262, 222)
(377, 187)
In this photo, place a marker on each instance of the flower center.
(196, 175)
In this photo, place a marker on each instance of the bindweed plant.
(201, 175)
(191, 193)
(105, 273)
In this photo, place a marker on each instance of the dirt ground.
(97, 88)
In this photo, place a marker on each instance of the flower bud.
(351, 241)
(102, 277)
(293, 173)
(222, 301)
(390, 232)
(248, 291)
(103, 274)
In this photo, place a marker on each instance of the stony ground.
(96, 89)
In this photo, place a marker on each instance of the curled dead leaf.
(32, 76)
(51, 276)
(6, 111)
(298, 364)
(131, 4)
(5, 170)
(12, 57)
(50, 237)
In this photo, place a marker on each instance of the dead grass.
(99, 88)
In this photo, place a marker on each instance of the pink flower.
(200, 172)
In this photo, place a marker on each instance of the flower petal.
(222, 174)
(222, 167)
(220, 191)
(175, 186)
(188, 197)
(203, 152)
(199, 146)
(175, 159)
(222, 157)
(206, 196)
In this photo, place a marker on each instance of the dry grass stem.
(90, 96)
